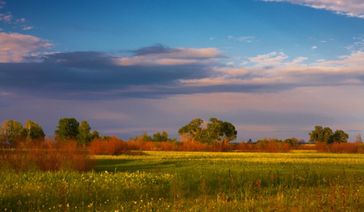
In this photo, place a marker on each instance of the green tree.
(320, 134)
(220, 131)
(193, 130)
(160, 136)
(34, 131)
(315, 134)
(84, 133)
(339, 137)
(95, 135)
(67, 129)
(215, 131)
(12, 132)
(326, 135)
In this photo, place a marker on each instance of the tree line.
(211, 132)
(12, 132)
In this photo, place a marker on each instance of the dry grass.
(341, 147)
(45, 156)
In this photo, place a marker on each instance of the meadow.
(193, 181)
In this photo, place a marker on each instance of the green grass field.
(194, 181)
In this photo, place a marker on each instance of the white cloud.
(26, 28)
(273, 58)
(353, 8)
(277, 69)
(241, 39)
(15, 47)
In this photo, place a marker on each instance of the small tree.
(95, 135)
(193, 130)
(320, 134)
(326, 135)
(34, 131)
(214, 131)
(339, 137)
(67, 129)
(11, 132)
(84, 133)
(160, 136)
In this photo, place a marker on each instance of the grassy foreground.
(194, 181)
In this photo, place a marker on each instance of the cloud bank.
(158, 71)
(353, 8)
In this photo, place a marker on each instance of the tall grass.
(45, 156)
(114, 146)
(357, 147)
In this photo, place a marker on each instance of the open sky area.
(274, 68)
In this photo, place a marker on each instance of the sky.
(273, 68)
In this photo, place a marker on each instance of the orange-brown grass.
(265, 146)
(193, 146)
(112, 146)
(115, 146)
(307, 147)
(357, 147)
(45, 156)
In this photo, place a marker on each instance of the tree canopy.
(214, 131)
(11, 132)
(84, 133)
(71, 129)
(326, 135)
(34, 131)
(67, 129)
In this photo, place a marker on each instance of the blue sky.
(274, 68)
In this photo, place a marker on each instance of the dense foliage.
(214, 131)
(326, 135)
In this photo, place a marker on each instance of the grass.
(195, 181)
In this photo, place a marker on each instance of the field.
(194, 181)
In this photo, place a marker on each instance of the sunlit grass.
(197, 181)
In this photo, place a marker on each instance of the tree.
(339, 137)
(326, 135)
(84, 133)
(320, 134)
(11, 132)
(160, 136)
(34, 131)
(220, 131)
(193, 130)
(315, 134)
(67, 129)
(215, 131)
(95, 135)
